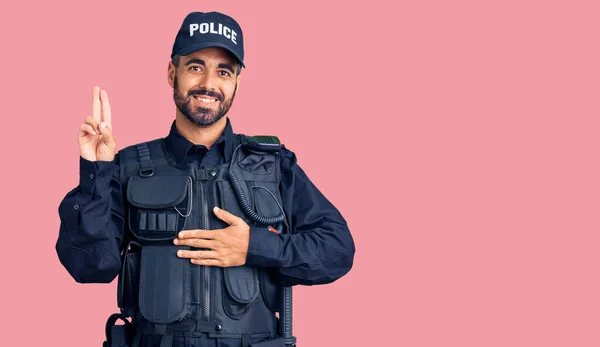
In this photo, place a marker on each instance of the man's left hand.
(227, 247)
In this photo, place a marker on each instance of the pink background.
(458, 138)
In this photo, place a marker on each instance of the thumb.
(226, 216)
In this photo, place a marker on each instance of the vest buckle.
(147, 172)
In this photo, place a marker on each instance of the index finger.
(106, 115)
(96, 108)
(198, 233)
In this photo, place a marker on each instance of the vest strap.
(146, 166)
(167, 339)
(160, 329)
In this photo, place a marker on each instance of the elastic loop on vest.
(189, 202)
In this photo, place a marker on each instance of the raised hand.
(96, 140)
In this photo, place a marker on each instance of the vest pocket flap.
(157, 191)
(242, 283)
(164, 284)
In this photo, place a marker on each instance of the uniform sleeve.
(91, 224)
(320, 248)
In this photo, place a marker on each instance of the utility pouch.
(164, 284)
(118, 335)
(254, 179)
(159, 206)
(129, 279)
(266, 197)
(242, 289)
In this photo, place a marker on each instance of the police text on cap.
(206, 28)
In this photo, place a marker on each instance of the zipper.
(205, 269)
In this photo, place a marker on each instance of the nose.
(207, 81)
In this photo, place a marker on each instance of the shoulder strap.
(146, 166)
(141, 159)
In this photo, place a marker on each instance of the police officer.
(205, 228)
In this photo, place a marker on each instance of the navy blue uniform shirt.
(319, 250)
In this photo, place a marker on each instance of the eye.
(225, 73)
(195, 68)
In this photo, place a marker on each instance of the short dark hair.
(175, 60)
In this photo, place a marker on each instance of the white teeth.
(204, 100)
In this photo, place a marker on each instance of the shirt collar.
(179, 146)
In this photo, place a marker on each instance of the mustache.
(206, 92)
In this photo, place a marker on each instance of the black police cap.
(201, 30)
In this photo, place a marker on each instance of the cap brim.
(189, 49)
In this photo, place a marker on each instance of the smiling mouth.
(204, 99)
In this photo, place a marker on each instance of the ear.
(237, 85)
(171, 74)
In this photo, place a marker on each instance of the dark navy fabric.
(319, 250)
(199, 341)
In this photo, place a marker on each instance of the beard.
(200, 116)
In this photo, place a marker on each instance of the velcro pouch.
(242, 289)
(159, 206)
(164, 284)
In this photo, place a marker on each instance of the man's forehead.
(222, 55)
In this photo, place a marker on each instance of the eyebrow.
(202, 62)
(226, 66)
(195, 61)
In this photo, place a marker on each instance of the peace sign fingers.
(106, 115)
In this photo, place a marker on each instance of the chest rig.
(167, 295)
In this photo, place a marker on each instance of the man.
(205, 228)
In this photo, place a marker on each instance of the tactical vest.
(168, 295)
